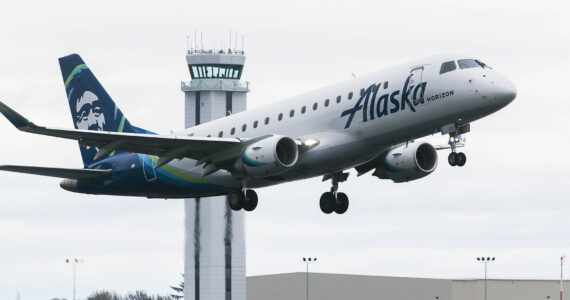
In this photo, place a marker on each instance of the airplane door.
(417, 75)
(416, 78)
(148, 170)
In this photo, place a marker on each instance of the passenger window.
(243, 127)
(292, 113)
(233, 131)
(303, 109)
(374, 88)
(350, 96)
(266, 120)
(209, 135)
(255, 124)
(315, 106)
(447, 67)
(361, 91)
(469, 63)
(280, 117)
(327, 103)
(221, 134)
(386, 85)
(338, 99)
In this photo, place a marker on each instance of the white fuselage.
(461, 95)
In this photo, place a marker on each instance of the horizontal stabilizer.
(79, 174)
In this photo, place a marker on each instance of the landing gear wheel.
(327, 202)
(453, 159)
(462, 159)
(236, 200)
(341, 203)
(250, 202)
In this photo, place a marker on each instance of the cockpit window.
(447, 67)
(470, 63)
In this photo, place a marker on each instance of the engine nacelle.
(410, 162)
(268, 157)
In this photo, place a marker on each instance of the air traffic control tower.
(214, 251)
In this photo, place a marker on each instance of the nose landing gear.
(455, 158)
(334, 201)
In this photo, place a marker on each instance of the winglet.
(14, 117)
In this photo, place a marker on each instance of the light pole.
(307, 261)
(485, 260)
(562, 259)
(73, 262)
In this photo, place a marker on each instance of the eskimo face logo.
(89, 113)
(410, 96)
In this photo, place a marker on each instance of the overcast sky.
(509, 201)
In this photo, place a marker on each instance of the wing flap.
(80, 174)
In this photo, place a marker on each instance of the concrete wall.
(506, 289)
(342, 287)
(357, 287)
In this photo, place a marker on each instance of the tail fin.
(91, 107)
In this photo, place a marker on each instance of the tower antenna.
(201, 41)
(195, 39)
(187, 43)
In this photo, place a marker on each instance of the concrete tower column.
(214, 251)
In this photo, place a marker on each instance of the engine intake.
(268, 157)
(410, 162)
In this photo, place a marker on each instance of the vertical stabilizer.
(91, 107)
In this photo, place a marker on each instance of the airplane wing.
(81, 174)
(214, 153)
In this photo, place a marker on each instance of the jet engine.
(409, 162)
(268, 157)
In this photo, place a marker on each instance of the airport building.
(359, 287)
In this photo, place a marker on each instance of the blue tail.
(91, 107)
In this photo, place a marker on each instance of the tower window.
(350, 96)
(280, 117)
(327, 102)
(255, 124)
(215, 71)
(292, 113)
(303, 109)
(266, 120)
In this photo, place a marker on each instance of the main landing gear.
(243, 199)
(455, 158)
(333, 201)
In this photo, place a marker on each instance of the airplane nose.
(505, 91)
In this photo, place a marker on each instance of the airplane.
(369, 123)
